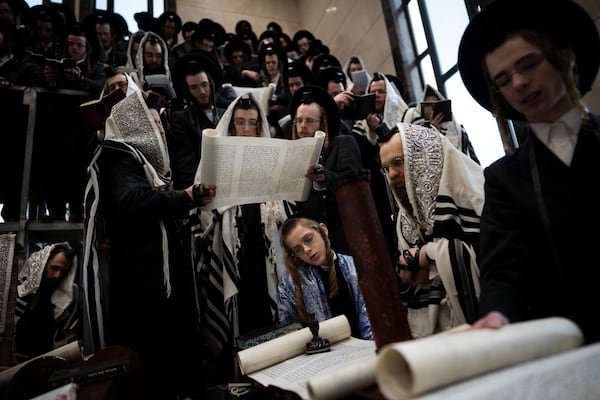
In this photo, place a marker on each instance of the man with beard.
(152, 58)
(439, 194)
(197, 79)
(47, 313)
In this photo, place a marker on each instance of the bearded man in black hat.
(197, 77)
(524, 62)
(312, 110)
(169, 24)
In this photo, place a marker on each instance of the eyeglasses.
(523, 66)
(307, 241)
(308, 121)
(396, 163)
(240, 123)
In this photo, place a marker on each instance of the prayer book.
(360, 80)
(162, 84)
(42, 60)
(362, 106)
(95, 112)
(429, 109)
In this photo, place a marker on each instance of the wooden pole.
(377, 278)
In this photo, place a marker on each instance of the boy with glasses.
(521, 61)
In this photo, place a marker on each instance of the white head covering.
(131, 85)
(223, 125)
(130, 121)
(30, 278)
(395, 106)
(451, 129)
(138, 75)
(349, 82)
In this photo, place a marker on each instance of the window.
(428, 36)
(127, 8)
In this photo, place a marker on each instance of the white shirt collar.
(560, 137)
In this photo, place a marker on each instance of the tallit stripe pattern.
(93, 331)
(453, 221)
(460, 261)
(209, 270)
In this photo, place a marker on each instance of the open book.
(256, 169)
(42, 61)
(95, 112)
(423, 368)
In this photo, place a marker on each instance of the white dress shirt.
(560, 136)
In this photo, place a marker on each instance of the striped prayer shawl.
(215, 246)
(445, 189)
(94, 272)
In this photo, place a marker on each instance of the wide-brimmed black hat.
(330, 74)
(564, 21)
(194, 61)
(323, 61)
(234, 45)
(270, 49)
(204, 33)
(302, 33)
(314, 94)
(170, 16)
(298, 68)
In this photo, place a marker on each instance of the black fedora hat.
(314, 94)
(323, 61)
(298, 68)
(234, 45)
(204, 33)
(330, 74)
(272, 49)
(170, 16)
(492, 26)
(194, 61)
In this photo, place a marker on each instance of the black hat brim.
(314, 94)
(329, 74)
(563, 21)
(237, 45)
(204, 60)
(272, 48)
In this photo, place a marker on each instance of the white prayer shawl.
(393, 110)
(445, 189)
(130, 124)
(138, 75)
(64, 297)
(394, 107)
(451, 129)
(30, 278)
(349, 83)
(220, 228)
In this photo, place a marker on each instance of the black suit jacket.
(538, 239)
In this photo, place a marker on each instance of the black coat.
(341, 161)
(185, 143)
(161, 328)
(537, 249)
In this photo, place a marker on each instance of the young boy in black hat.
(524, 62)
